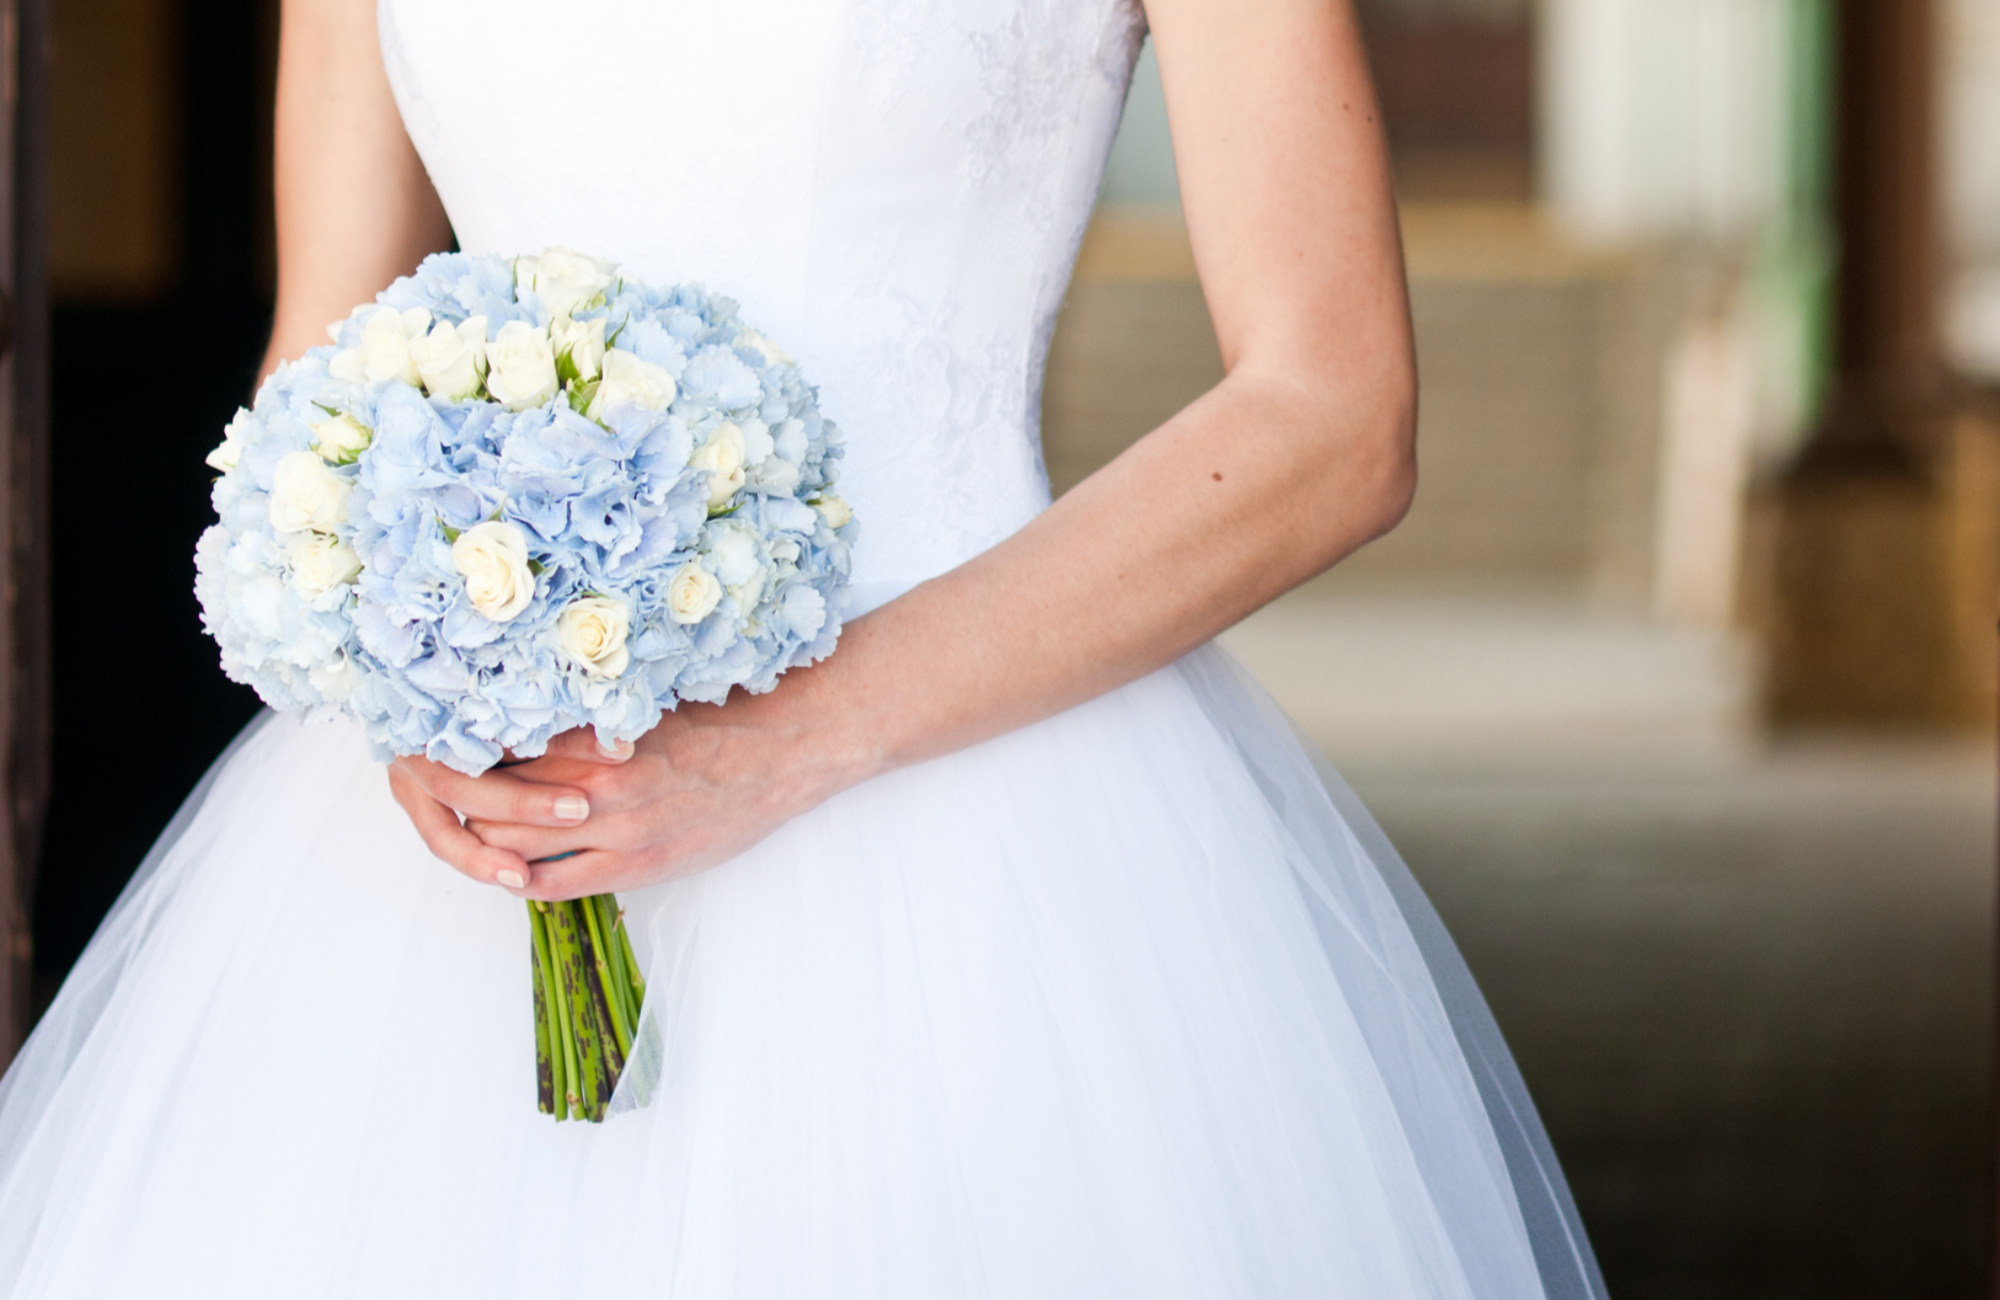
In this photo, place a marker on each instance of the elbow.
(1397, 487)
(1387, 483)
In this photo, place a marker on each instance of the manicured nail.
(618, 749)
(512, 879)
(572, 808)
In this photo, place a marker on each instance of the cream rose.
(581, 343)
(385, 344)
(693, 594)
(565, 281)
(768, 350)
(307, 494)
(451, 358)
(722, 457)
(629, 381)
(833, 510)
(341, 440)
(520, 366)
(592, 631)
(320, 563)
(493, 559)
(224, 458)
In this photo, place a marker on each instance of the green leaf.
(536, 567)
(723, 512)
(450, 534)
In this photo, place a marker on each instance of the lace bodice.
(894, 190)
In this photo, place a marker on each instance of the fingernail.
(618, 749)
(512, 879)
(572, 808)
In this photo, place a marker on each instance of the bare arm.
(355, 209)
(1303, 453)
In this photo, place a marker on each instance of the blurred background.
(1676, 688)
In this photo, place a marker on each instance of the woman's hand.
(701, 787)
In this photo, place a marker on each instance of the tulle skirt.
(1131, 1002)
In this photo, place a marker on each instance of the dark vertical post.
(24, 631)
(1889, 369)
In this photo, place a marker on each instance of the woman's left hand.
(702, 786)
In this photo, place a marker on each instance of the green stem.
(565, 1027)
(637, 981)
(615, 983)
(607, 987)
(612, 1056)
(587, 1034)
(545, 1087)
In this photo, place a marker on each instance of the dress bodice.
(894, 190)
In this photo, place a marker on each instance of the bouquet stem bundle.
(588, 992)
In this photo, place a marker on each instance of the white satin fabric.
(1133, 1002)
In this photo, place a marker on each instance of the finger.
(454, 845)
(534, 842)
(584, 745)
(498, 796)
(575, 759)
(593, 871)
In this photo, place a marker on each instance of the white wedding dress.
(1134, 1002)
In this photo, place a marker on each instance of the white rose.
(564, 280)
(628, 380)
(348, 366)
(833, 510)
(770, 351)
(451, 358)
(520, 366)
(385, 344)
(493, 559)
(307, 494)
(722, 457)
(320, 563)
(693, 594)
(225, 457)
(581, 342)
(341, 440)
(592, 631)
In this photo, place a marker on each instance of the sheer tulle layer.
(1117, 1005)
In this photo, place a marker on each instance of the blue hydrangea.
(516, 497)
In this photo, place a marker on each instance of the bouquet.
(514, 498)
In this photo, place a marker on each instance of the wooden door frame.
(24, 495)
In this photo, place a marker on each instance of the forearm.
(1250, 491)
(355, 208)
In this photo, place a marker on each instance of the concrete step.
(1451, 681)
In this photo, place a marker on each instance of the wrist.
(830, 741)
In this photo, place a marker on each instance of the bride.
(1018, 949)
